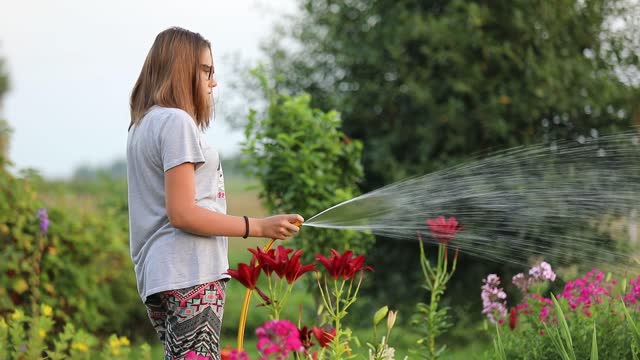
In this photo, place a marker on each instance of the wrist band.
(246, 227)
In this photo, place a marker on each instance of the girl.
(177, 207)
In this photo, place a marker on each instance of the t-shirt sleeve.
(180, 141)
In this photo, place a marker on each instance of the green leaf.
(380, 315)
(594, 344)
(565, 333)
(498, 346)
(632, 324)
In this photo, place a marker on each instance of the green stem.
(433, 307)
(338, 294)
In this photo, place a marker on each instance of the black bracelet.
(246, 227)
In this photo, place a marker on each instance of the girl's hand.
(279, 227)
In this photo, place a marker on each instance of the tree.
(426, 84)
(5, 129)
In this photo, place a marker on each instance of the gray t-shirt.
(167, 258)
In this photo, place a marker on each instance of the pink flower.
(493, 299)
(520, 281)
(276, 338)
(234, 354)
(443, 230)
(192, 355)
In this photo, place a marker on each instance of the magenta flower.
(587, 291)
(192, 355)
(234, 354)
(276, 338)
(545, 304)
(633, 296)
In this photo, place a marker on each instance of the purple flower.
(520, 281)
(44, 220)
(542, 272)
(493, 299)
(276, 338)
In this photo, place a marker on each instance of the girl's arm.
(185, 215)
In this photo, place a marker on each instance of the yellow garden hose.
(247, 299)
(245, 305)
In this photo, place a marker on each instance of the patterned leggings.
(188, 321)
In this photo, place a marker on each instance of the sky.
(72, 65)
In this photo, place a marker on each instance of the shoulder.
(169, 114)
(170, 118)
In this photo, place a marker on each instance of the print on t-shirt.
(221, 194)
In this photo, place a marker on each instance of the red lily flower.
(443, 230)
(343, 266)
(305, 337)
(513, 318)
(324, 337)
(274, 261)
(294, 269)
(265, 259)
(246, 274)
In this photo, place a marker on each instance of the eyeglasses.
(209, 70)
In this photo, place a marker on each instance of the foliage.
(426, 85)
(422, 96)
(5, 129)
(85, 268)
(31, 337)
(5, 135)
(305, 164)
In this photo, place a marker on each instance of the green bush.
(31, 337)
(81, 268)
(305, 165)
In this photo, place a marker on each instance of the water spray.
(572, 200)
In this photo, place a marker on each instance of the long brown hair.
(170, 77)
